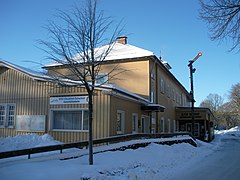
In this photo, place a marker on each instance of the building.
(142, 99)
(203, 120)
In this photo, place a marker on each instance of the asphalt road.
(224, 164)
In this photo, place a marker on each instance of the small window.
(120, 122)
(7, 115)
(152, 97)
(2, 115)
(102, 79)
(169, 125)
(134, 123)
(168, 90)
(162, 86)
(162, 125)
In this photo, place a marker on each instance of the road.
(222, 165)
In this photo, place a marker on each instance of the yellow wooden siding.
(32, 98)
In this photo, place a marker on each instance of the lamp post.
(192, 70)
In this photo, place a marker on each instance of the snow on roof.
(41, 76)
(29, 72)
(118, 51)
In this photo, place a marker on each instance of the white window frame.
(162, 86)
(174, 126)
(168, 90)
(162, 125)
(6, 116)
(122, 122)
(102, 78)
(134, 122)
(169, 125)
(152, 96)
(51, 125)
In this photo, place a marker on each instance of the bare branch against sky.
(223, 19)
(73, 45)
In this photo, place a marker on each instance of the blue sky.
(170, 28)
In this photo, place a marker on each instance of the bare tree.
(74, 44)
(223, 18)
(214, 102)
(234, 97)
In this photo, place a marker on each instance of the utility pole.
(192, 70)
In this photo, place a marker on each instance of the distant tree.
(223, 18)
(234, 97)
(214, 102)
(73, 43)
(228, 119)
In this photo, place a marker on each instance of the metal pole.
(192, 70)
(192, 96)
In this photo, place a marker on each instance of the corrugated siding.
(101, 117)
(32, 98)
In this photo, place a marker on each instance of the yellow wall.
(32, 98)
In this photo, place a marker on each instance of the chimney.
(122, 40)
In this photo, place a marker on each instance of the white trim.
(6, 115)
(122, 121)
(64, 109)
(162, 125)
(135, 122)
(169, 125)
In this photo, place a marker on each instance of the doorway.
(145, 124)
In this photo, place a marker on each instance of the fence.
(83, 144)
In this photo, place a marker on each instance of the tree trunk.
(90, 131)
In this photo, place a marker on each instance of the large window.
(70, 119)
(7, 115)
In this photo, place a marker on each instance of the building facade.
(139, 96)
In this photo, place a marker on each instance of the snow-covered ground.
(152, 162)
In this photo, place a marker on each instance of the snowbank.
(152, 162)
(26, 141)
(235, 131)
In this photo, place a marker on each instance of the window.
(162, 86)
(168, 90)
(152, 97)
(7, 115)
(70, 119)
(134, 123)
(174, 126)
(169, 125)
(120, 122)
(162, 124)
(102, 79)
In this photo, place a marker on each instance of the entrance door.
(145, 124)
(196, 129)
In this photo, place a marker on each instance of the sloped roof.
(26, 71)
(118, 51)
(41, 76)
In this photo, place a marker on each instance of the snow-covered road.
(219, 160)
(222, 165)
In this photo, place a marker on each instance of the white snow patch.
(152, 162)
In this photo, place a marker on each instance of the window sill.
(68, 130)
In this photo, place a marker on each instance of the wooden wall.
(32, 98)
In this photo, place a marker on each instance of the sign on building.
(69, 100)
(31, 123)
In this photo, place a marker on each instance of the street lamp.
(192, 70)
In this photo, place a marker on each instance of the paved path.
(222, 165)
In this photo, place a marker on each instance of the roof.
(118, 51)
(113, 89)
(28, 72)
